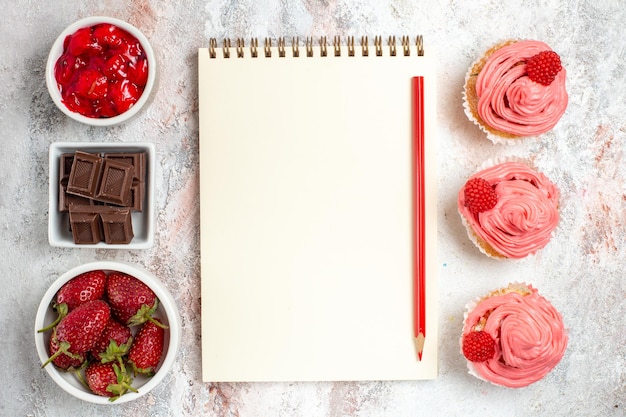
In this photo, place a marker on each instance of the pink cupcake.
(513, 336)
(516, 90)
(509, 209)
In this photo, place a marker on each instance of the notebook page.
(305, 177)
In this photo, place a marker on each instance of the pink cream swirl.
(525, 215)
(529, 336)
(511, 102)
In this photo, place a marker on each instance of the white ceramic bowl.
(166, 311)
(59, 234)
(57, 50)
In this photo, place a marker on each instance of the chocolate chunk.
(137, 160)
(86, 227)
(92, 224)
(137, 190)
(84, 177)
(65, 199)
(117, 226)
(135, 197)
(115, 183)
(65, 166)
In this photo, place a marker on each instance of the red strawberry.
(82, 288)
(65, 68)
(147, 348)
(478, 346)
(65, 362)
(116, 67)
(85, 287)
(108, 35)
(543, 67)
(92, 84)
(81, 42)
(123, 95)
(138, 72)
(77, 103)
(131, 301)
(479, 195)
(113, 343)
(79, 331)
(108, 380)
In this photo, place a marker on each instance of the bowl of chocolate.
(101, 195)
(101, 71)
(107, 332)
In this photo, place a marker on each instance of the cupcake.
(509, 209)
(516, 90)
(512, 336)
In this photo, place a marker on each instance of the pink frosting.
(511, 102)
(525, 215)
(529, 335)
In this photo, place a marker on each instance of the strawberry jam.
(102, 72)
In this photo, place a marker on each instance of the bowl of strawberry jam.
(101, 71)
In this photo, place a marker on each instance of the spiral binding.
(337, 46)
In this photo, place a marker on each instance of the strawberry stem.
(63, 349)
(123, 384)
(157, 322)
(62, 312)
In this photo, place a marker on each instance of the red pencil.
(419, 241)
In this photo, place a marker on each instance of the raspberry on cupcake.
(516, 90)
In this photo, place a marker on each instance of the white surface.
(305, 174)
(580, 271)
(167, 312)
(59, 233)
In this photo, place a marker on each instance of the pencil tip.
(419, 345)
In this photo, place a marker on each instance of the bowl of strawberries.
(107, 332)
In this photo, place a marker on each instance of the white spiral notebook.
(306, 210)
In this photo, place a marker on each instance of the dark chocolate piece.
(135, 197)
(137, 190)
(137, 160)
(86, 227)
(115, 183)
(85, 174)
(65, 199)
(92, 224)
(65, 165)
(66, 161)
(137, 194)
(117, 226)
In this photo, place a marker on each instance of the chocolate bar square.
(65, 166)
(137, 190)
(92, 224)
(86, 227)
(115, 183)
(137, 193)
(117, 226)
(85, 174)
(65, 199)
(137, 160)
